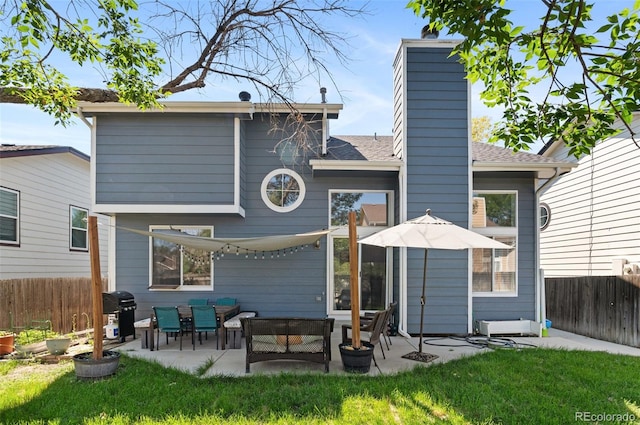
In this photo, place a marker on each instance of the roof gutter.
(558, 173)
(354, 165)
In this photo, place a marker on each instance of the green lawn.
(532, 386)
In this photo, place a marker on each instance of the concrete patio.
(231, 362)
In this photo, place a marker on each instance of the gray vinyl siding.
(437, 159)
(522, 306)
(48, 184)
(284, 286)
(164, 159)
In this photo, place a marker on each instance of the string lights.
(219, 254)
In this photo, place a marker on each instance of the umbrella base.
(420, 357)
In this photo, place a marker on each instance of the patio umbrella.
(429, 232)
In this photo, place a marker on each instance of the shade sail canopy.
(256, 244)
(431, 232)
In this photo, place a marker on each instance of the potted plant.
(32, 341)
(356, 356)
(58, 345)
(7, 342)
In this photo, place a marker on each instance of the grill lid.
(114, 302)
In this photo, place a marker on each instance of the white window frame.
(182, 286)
(493, 232)
(362, 232)
(15, 242)
(72, 228)
(265, 196)
(546, 216)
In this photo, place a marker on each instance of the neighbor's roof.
(367, 152)
(487, 157)
(12, 151)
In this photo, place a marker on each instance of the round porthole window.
(545, 216)
(283, 190)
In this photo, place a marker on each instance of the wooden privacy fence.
(602, 307)
(64, 303)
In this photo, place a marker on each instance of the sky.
(365, 84)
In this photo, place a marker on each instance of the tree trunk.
(13, 95)
(96, 285)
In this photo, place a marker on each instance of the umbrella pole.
(422, 299)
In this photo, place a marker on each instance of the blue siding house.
(219, 170)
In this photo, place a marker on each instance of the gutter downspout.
(541, 309)
(83, 118)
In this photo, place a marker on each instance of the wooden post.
(96, 286)
(355, 292)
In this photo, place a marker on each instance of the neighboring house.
(210, 169)
(44, 202)
(593, 219)
(373, 214)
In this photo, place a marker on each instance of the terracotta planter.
(6, 344)
(356, 361)
(88, 368)
(58, 346)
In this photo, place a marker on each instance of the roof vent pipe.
(323, 92)
(244, 96)
(429, 34)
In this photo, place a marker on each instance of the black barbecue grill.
(123, 305)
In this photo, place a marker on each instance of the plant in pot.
(58, 345)
(356, 356)
(99, 363)
(33, 341)
(7, 342)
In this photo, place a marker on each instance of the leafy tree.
(480, 128)
(273, 45)
(341, 204)
(590, 77)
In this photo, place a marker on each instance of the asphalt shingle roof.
(361, 148)
(11, 151)
(380, 148)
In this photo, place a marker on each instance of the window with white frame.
(494, 214)
(545, 216)
(283, 190)
(9, 216)
(78, 230)
(179, 267)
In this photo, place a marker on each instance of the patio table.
(223, 312)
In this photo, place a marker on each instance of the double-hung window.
(9, 216)
(180, 267)
(78, 230)
(495, 216)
